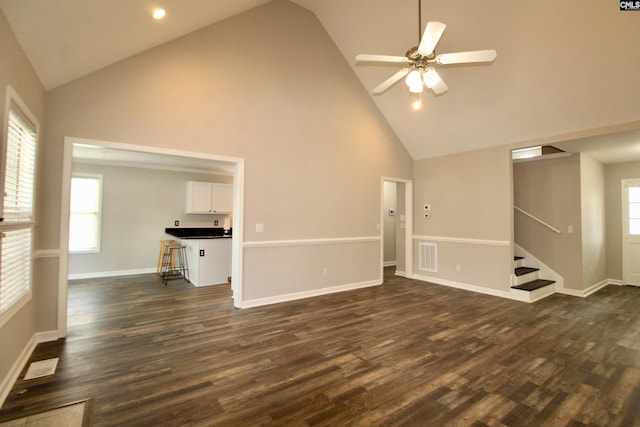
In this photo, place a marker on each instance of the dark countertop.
(198, 233)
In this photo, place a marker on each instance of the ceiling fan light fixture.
(414, 81)
(417, 59)
(416, 88)
(431, 78)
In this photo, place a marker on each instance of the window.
(84, 222)
(16, 227)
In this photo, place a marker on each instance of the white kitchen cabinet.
(208, 260)
(209, 198)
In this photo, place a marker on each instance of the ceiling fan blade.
(381, 58)
(431, 37)
(466, 57)
(390, 81)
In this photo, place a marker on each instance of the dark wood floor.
(405, 353)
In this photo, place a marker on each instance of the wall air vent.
(428, 255)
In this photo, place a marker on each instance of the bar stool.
(174, 262)
(163, 244)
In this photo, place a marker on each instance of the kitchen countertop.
(205, 237)
(197, 233)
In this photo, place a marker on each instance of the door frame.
(408, 230)
(65, 197)
(625, 184)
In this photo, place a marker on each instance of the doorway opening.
(145, 157)
(397, 226)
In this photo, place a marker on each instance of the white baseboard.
(464, 286)
(389, 263)
(516, 294)
(115, 273)
(586, 292)
(307, 294)
(400, 273)
(532, 296)
(9, 380)
(616, 282)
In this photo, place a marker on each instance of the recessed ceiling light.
(159, 13)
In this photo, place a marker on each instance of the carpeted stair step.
(533, 285)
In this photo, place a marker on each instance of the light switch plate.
(259, 228)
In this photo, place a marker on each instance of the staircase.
(526, 284)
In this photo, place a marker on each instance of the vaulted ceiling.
(562, 66)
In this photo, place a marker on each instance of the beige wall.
(15, 70)
(592, 189)
(614, 174)
(550, 190)
(315, 146)
(347, 264)
(470, 197)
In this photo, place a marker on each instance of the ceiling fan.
(420, 61)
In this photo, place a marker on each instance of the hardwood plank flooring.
(405, 353)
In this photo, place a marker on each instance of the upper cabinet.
(209, 198)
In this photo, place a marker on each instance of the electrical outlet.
(427, 215)
(427, 206)
(325, 271)
(176, 223)
(201, 252)
(215, 222)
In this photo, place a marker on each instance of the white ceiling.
(67, 39)
(612, 148)
(109, 156)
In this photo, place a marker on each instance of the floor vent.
(428, 255)
(42, 368)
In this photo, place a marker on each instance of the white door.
(631, 231)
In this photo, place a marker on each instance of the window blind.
(19, 168)
(16, 227)
(15, 266)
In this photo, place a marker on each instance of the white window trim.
(98, 249)
(12, 98)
